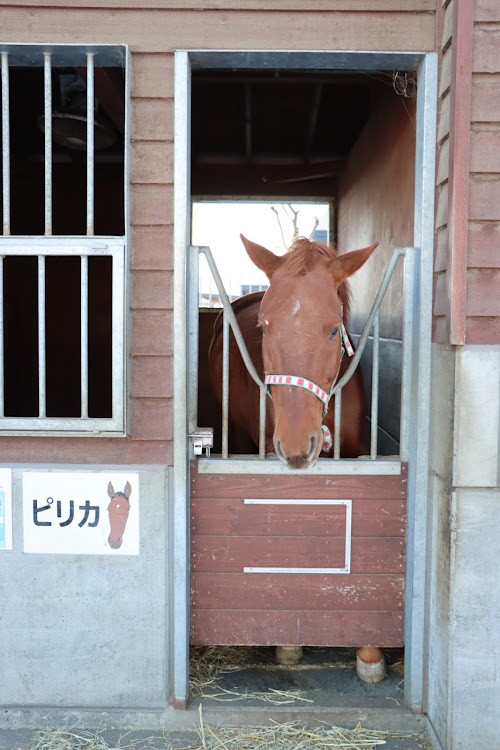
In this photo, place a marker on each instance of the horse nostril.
(279, 452)
(314, 444)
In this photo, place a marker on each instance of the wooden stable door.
(291, 559)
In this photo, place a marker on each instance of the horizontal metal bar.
(65, 55)
(313, 571)
(272, 465)
(53, 425)
(292, 501)
(292, 59)
(56, 247)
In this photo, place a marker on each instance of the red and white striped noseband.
(296, 380)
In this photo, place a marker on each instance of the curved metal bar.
(232, 318)
(398, 252)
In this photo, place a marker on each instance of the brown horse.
(118, 510)
(295, 335)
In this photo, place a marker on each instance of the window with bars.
(64, 161)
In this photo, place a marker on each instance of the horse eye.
(261, 328)
(334, 332)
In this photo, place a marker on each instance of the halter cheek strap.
(295, 380)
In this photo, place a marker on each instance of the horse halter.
(296, 380)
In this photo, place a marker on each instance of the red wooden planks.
(383, 629)
(229, 554)
(228, 535)
(211, 516)
(289, 591)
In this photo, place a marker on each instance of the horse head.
(302, 317)
(118, 510)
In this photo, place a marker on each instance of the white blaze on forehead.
(295, 308)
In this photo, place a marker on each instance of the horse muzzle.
(297, 458)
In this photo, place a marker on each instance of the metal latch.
(203, 438)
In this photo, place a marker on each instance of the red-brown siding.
(467, 262)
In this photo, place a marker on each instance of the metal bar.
(337, 416)
(118, 336)
(262, 423)
(272, 465)
(42, 407)
(375, 380)
(225, 383)
(84, 334)
(409, 280)
(192, 338)
(292, 501)
(47, 116)
(2, 370)
(90, 144)
(416, 609)
(397, 253)
(177, 566)
(232, 318)
(5, 145)
(319, 571)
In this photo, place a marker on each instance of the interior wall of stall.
(376, 204)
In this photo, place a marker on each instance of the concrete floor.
(325, 686)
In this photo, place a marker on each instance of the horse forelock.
(301, 257)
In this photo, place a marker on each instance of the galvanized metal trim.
(418, 449)
(5, 144)
(185, 412)
(324, 467)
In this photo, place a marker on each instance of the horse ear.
(262, 257)
(128, 490)
(111, 491)
(345, 265)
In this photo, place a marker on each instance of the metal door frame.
(425, 65)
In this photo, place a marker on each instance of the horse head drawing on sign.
(297, 340)
(118, 510)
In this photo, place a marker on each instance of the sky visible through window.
(219, 225)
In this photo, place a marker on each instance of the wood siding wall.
(154, 29)
(467, 261)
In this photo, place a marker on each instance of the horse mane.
(302, 256)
